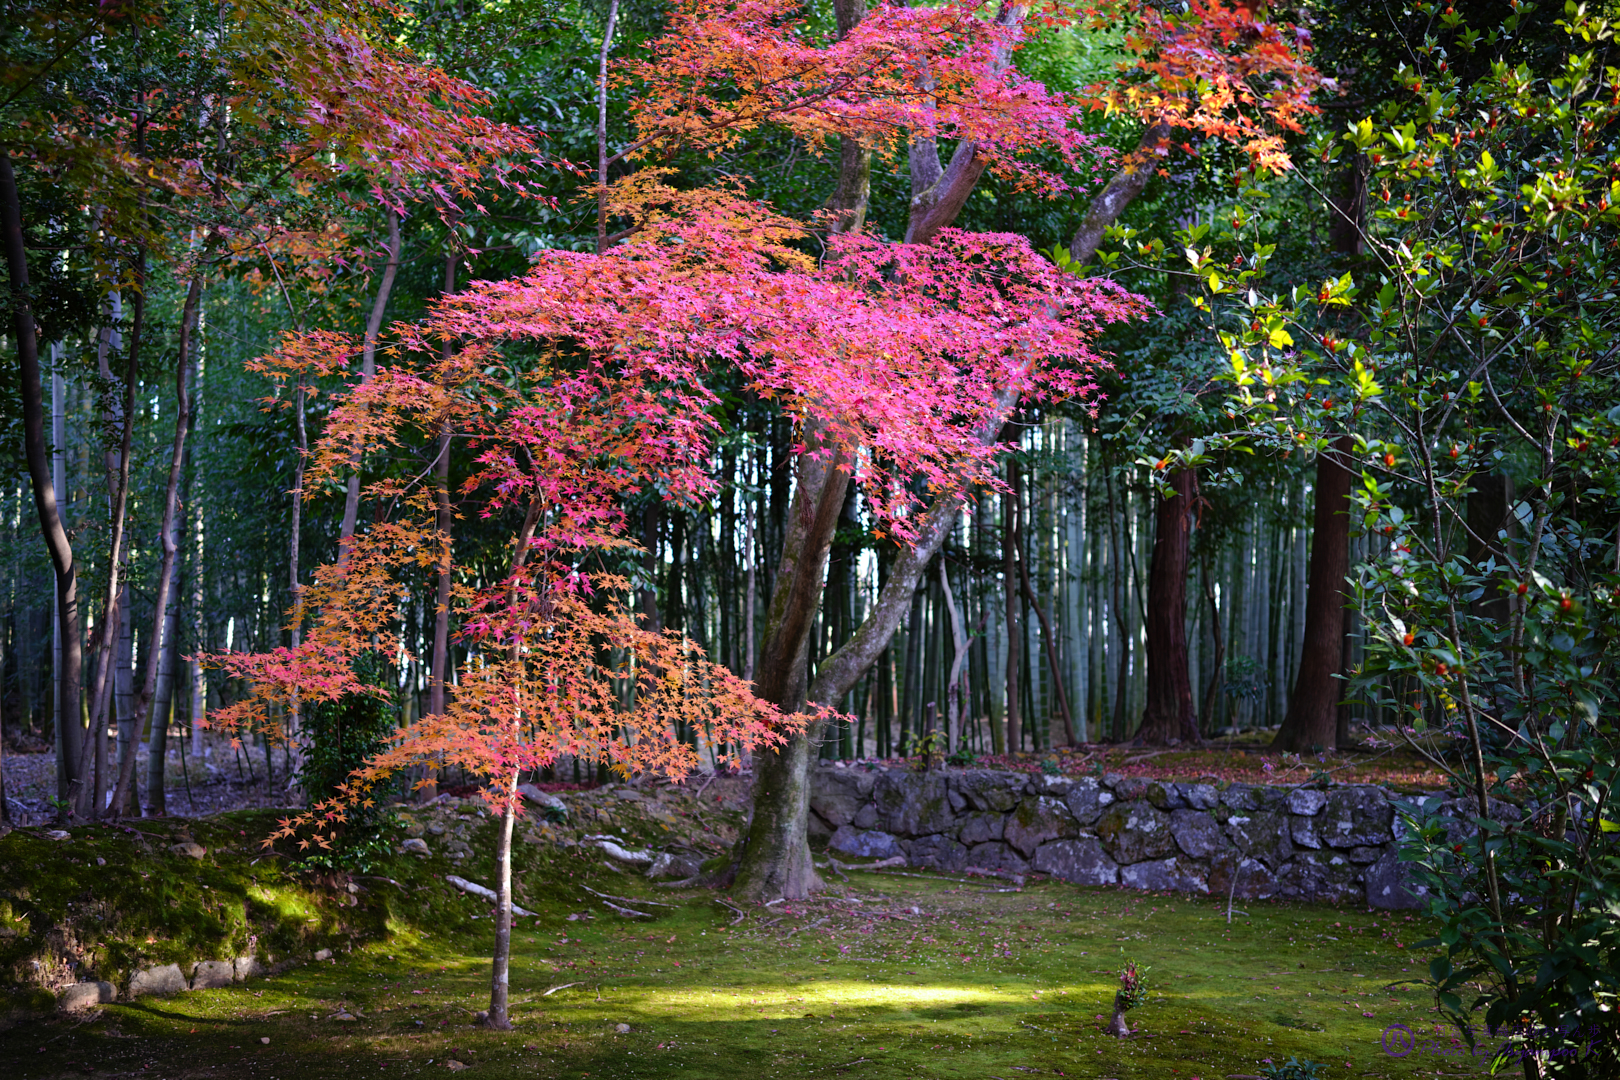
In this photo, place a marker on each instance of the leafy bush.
(1293, 1069)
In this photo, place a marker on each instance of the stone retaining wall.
(1335, 845)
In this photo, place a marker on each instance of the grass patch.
(911, 976)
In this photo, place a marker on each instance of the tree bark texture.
(439, 674)
(774, 851)
(1169, 718)
(1126, 184)
(1312, 718)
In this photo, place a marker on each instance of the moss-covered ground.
(904, 976)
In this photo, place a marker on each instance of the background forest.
(534, 390)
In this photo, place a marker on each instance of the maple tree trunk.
(773, 854)
(1312, 719)
(1129, 182)
(500, 971)
(1169, 719)
(69, 673)
(123, 797)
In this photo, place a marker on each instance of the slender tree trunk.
(1009, 581)
(1169, 718)
(601, 128)
(123, 799)
(438, 676)
(500, 967)
(1118, 574)
(1047, 636)
(501, 962)
(1312, 719)
(1213, 684)
(118, 513)
(1131, 180)
(368, 370)
(953, 694)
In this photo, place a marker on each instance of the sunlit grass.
(923, 978)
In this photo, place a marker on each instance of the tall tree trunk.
(124, 702)
(1169, 718)
(123, 798)
(1119, 573)
(1213, 684)
(102, 689)
(1047, 636)
(368, 369)
(1015, 633)
(601, 129)
(955, 709)
(1312, 719)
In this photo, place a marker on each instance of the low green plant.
(1294, 1069)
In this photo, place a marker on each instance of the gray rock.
(938, 852)
(189, 849)
(867, 818)
(997, 856)
(1241, 797)
(674, 866)
(1262, 835)
(1302, 830)
(1169, 874)
(1364, 854)
(1306, 801)
(1198, 834)
(248, 967)
(1391, 885)
(1080, 861)
(415, 846)
(838, 794)
(912, 804)
(865, 843)
(958, 801)
(1087, 799)
(1355, 816)
(1254, 880)
(159, 980)
(988, 790)
(213, 974)
(86, 995)
(436, 828)
(1039, 818)
(1320, 876)
(1056, 786)
(817, 828)
(981, 828)
(1135, 831)
(1200, 796)
(323, 954)
(58, 834)
(1127, 788)
(1167, 796)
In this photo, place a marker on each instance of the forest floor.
(888, 975)
(1379, 758)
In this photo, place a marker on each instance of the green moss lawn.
(905, 976)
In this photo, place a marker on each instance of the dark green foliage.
(342, 735)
